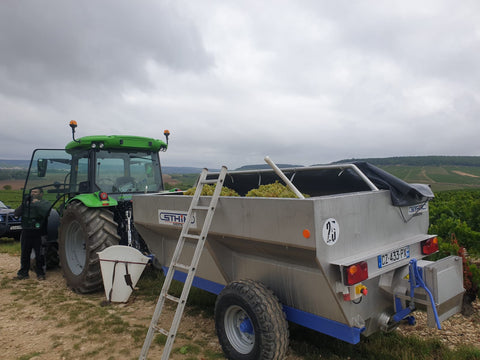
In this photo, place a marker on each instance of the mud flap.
(444, 278)
(437, 285)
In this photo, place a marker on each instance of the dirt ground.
(456, 331)
(169, 180)
(42, 320)
(464, 174)
(15, 184)
(45, 320)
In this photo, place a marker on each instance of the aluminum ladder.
(176, 265)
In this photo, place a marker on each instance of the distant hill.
(23, 164)
(265, 166)
(420, 161)
(183, 170)
(440, 172)
(388, 161)
(12, 164)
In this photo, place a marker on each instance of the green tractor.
(89, 186)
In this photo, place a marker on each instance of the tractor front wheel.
(83, 232)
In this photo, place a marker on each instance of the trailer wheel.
(83, 232)
(250, 322)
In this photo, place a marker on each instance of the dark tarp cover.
(317, 181)
(402, 193)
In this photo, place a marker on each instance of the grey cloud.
(54, 45)
(302, 81)
(427, 40)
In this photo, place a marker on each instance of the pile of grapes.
(209, 189)
(271, 190)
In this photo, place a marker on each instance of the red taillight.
(356, 273)
(103, 196)
(429, 246)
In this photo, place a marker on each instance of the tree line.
(13, 174)
(420, 161)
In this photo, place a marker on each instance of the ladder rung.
(161, 330)
(170, 334)
(191, 236)
(206, 208)
(172, 298)
(210, 181)
(181, 266)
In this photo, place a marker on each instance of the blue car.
(10, 226)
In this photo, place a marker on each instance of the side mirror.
(41, 167)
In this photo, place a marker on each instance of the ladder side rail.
(181, 241)
(195, 260)
(191, 269)
(161, 301)
(169, 276)
(178, 315)
(151, 330)
(205, 229)
(193, 203)
(212, 205)
(185, 227)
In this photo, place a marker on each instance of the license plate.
(16, 227)
(393, 256)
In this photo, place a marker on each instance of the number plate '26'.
(393, 256)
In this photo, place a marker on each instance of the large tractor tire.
(50, 244)
(250, 322)
(84, 232)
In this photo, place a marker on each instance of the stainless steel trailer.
(346, 261)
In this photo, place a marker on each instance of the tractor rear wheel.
(83, 232)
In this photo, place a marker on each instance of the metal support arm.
(416, 281)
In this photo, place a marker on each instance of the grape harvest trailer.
(345, 261)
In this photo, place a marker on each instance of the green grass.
(151, 282)
(29, 356)
(12, 198)
(311, 345)
(441, 178)
(187, 350)
(10, 246)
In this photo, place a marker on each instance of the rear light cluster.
(356, 273)
(103, 196)
(429, 246)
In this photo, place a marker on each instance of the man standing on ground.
(34, 212)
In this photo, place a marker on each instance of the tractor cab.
(97, 173)
(118, 166)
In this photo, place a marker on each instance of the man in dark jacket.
(34, 211)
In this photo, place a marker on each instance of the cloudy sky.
(302, 81)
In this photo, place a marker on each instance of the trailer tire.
(250, 322)
(83, 232)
